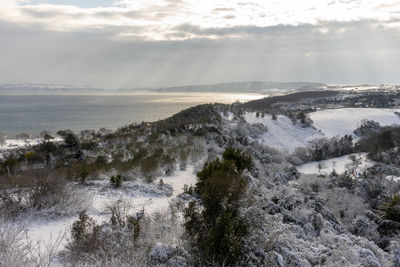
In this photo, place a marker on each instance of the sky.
(157, 43)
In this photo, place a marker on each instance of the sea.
(31, 114)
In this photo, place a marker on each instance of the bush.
(116, 181)
(127, 242)
(47, 197)
(10, 164)
(84, 233)
(392, 209)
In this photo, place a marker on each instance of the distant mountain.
(246, 87)
(46, 88)
(233, 87)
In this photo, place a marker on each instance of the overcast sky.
(127, 43)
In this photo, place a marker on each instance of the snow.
(44, 230)
(344, 121)
(282, 134)
(11, 144)
(393, 178)
(340, 164)
(19, 143)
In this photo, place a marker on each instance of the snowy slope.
(282, 134)
(340, 164)
(44, 230)
(333, 122)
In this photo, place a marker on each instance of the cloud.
(172, 42)
(345, 52)
(164, 17)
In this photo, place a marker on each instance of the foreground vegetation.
(249, 206)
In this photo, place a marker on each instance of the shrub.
(48, 147)
(84, 233)
(116, 181)
(32, 157)
(392, 209)
(10, 164)
(48, 197)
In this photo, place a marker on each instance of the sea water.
(52, 112)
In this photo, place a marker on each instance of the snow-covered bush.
(367, 127)
(129, 239)
(50, 197)
(16, 249)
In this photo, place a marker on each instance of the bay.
(52, 112)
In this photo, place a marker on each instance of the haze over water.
(35, 113)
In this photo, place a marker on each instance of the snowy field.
(149, 197)
(282, 134)
(339, 164)
(333, 122)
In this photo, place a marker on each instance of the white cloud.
(161, 18)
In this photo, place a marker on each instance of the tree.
(239, 158)
(46, 135)
(218, 230)
(71, 141)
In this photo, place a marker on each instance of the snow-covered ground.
(19, 143)
(344, 121)
(140, 195)
(11, 144)
(339, 164)
(282, 134)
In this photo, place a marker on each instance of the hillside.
(273, 188)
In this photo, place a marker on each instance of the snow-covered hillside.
(333, 122)
(339, 164)
(151, 197)
(282, 134)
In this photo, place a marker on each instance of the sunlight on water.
(208, 97)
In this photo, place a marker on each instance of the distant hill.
(245, 87)
(46, 88)
(233, 87)
(267, 102)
